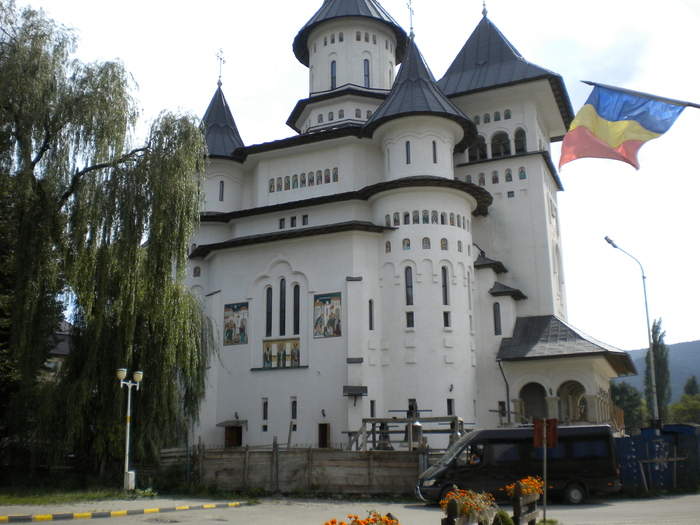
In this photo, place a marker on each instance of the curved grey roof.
(415, 93)
(342, 8)
(220, 129)
(488, 60)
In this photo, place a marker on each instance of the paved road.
(672, 510)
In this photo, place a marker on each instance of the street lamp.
(655, 401)
(129, 476)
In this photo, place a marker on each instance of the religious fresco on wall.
(235, 324)
(327, 315)
(281, 353)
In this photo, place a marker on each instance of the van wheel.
(574, 494)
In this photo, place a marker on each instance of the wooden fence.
(288, 470)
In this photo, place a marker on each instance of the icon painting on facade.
(327, 315)
(235, 324)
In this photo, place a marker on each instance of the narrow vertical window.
(265, 409)
(221, 191)
(450, 407)
(372, 408)
(410, 321)
(497, 319)
(446, 320)
(294, 408)
(434, 152)
(333, 74)
(469, 289)
(371, 314)
(283, 309)
(366, 65)
(408, 152)
(268, 312)
(445, 286)
(296, 300)
(409, 285)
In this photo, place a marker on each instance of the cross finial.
(409, 5)
(220, 58)
(484, 11)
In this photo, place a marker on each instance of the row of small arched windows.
(341, 115)
(426, 217)
(301, 181)
(496, 117)
(500, 146)
(358, 38)
(425, 244)
(495, 178)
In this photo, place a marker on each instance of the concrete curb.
(17, 518)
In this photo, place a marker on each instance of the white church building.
(400, 254)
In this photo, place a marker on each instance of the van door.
(471, 469)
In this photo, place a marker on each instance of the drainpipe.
(507, 390)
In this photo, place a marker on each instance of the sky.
(171, 50)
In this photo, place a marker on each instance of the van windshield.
(455, 450)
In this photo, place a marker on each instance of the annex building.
(399, 255)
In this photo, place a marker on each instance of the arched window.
(445, 286)
(325, 40)
(272, 185)
(500, 145)
(482, 179)
(459, 221)
(287, 183)
(371, 314)
(302, 180)
(507, 114)
(341, 113)
(459, 246)
(295, 181)
(487, 118)
(477, 120)
(406, 218)
(509, 175)
(319, 178)
(279, 183)
(408, 273)
(358, 113)
(374, 39)
(332, 38)
(283, 307)
(434, 217)
(443, 244)
(358, 36)
(221, 191)
(497, 319)
(520, 141)
(366, 70)
(369, 113)
(497, 116)
(477, 151)
(340, 37)
(333, 74)
(330, 116)
(396, 219)
(426, 243)
(320, 118)
(335, 174)
(408, 152)
(388, 247)
(406, 244)
(416, 217)
(426, 217)
(434, 152)
(443, 218)
(296, 299)
(311, 178)
(521, 173)
(494, 177)
(387, 220)
(268, 312)
(327, 176)
(197, 271)
(468, 178)
(367, 37)
(452, 219)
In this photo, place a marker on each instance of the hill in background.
(684, 361)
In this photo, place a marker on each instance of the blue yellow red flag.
(615, 123)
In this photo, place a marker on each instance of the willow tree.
(102, 223)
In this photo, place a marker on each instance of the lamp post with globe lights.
(129, 476)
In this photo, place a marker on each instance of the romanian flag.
(615, 124)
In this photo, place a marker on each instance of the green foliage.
(662, 374)
(502, 518)
(97, 221)
(692, 386)
(687, 410)
(629, 399)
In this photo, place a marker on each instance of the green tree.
(629, 399)
(687, 410)
(103, 224)
(664, 388)
(691, 387)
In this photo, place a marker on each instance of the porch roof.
(548, 337)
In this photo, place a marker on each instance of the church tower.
(352, 49)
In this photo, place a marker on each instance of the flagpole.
(645, 95)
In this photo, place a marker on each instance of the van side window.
(558, 452)
(505, 452)
(590, 449)
(463, 458)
